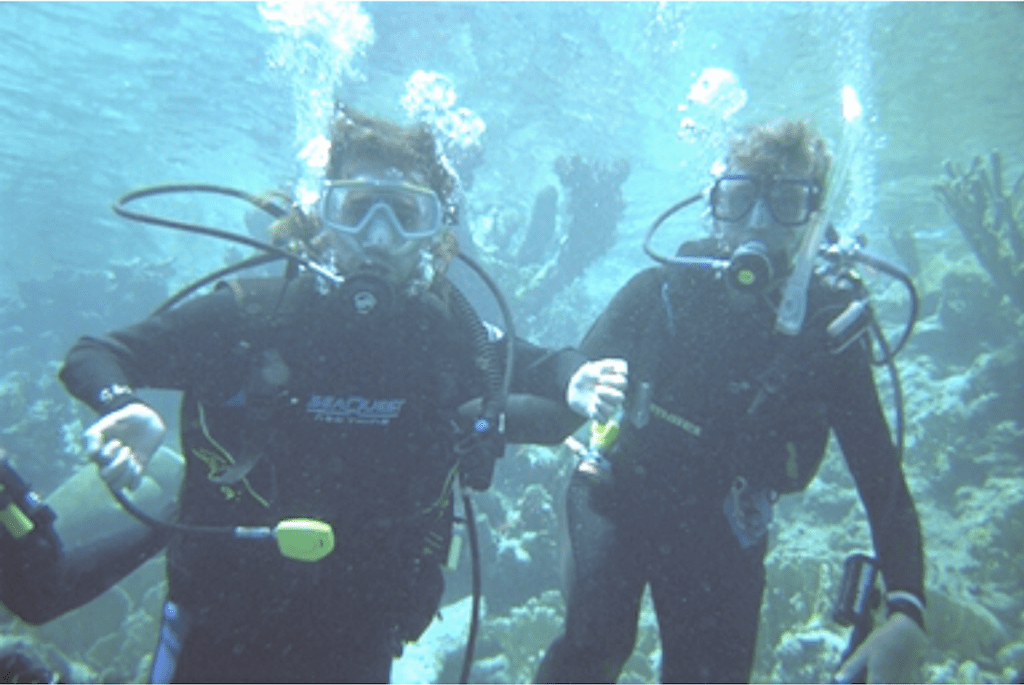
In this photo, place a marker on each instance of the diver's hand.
(891, 654)
(123, 442)
(597, 389)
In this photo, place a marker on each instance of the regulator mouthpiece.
(750, 268)
(369, 294)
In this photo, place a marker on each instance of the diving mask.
(380, 212)
(790, 201)
(752, 263)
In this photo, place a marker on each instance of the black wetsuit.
(349, 418)
(739, 414)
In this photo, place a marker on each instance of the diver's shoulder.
(828, 289)
(650, 277)
(262, 294)
(701, 247)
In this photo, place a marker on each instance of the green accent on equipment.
(299, 539)
(17, 523)
(603, 435)
(304, 539)
(13, 517)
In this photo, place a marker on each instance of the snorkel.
(793, 307)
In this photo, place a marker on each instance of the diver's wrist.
(114, 397)
(906, 603)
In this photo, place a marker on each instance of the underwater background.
(572, 125)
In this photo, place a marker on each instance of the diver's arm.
(541, 371)
(177, 349)
(93, 543)
(536, 411)
(174, 350)
(556, 407)
(892, 652)
(572, 388)
(857, 419)
(533, 420)
(90, 545)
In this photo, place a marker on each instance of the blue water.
(99, 98)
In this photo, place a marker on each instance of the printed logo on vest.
(354, 409)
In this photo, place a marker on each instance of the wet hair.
(407, 148)
(403, 147)
(295, 226)
(790, 147)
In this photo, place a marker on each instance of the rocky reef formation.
(39, 424)
(566, 232)
(594, 206)
(990, 218)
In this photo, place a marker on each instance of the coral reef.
(560, 242)
(595, 196)
(970, 313)
(540, 235)
(902, 239)
(518, 530)
(437, 656)
(516, 642)
(991, 220)
(594, 206)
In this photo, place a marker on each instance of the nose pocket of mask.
(379, 232)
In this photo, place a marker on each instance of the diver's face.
(378, 221)
(773, 210)
(383, 258)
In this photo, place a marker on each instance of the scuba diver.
(735, 380)
(333, 411)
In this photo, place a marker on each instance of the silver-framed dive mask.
(381, 212)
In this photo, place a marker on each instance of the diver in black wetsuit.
(724, 414)
(332, 399)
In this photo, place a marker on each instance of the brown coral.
(991, 220)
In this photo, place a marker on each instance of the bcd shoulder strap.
(265, 300)
(265, 306)
(479, 447)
